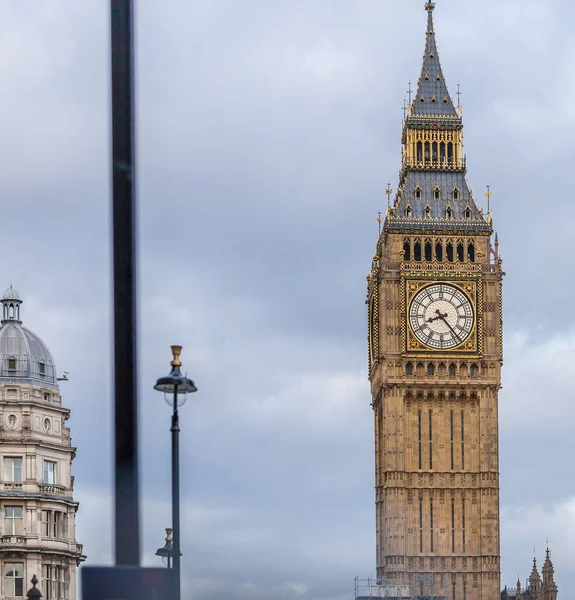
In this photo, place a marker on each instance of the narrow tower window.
(408, 211)
(418, 191)
(430, 440)
(467, 213)
(448, 213)
(421, 524)
(427, 212)
(460, 253)
(450, 152)
(437, 193)
(449, 251)
(455, 194)
(430, 369)
(417, 251)
(427, 151)
(434, 147)
(428, 252)
(409, 369)
(419, 156)
(463, 523)
(474, 370)
(462, 441)
(453, 528)
(406, 250)
(442, 152)
(438, 252)
(419, 437)
(471, 251)
(452, 370)
(452, 439)
(431, 524)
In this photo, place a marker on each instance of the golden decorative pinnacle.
(488, 193)
(430, 6)
(176, 351)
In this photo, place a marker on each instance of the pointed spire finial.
(430, 6)
(488, 193)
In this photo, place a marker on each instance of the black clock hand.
(452, 330)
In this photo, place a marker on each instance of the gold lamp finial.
(169, 531)
(176, 351)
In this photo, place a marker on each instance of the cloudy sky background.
(267, 133)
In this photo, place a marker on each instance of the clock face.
(441, 316)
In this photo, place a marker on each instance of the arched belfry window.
(437, 193)
(427, 212)
(418, 191)
(455, 193)
(428, 251)
(409, 369)
(467, 213)
(449, 213)
(408, 211)
(449, 251)
(438, 252)
(417, 251)
(406, 250)
(471, 251)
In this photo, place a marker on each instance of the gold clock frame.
(471, 286)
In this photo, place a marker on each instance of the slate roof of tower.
(408, 211)
(432, 94)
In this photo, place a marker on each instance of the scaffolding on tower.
(420, 586)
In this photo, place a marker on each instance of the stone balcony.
(13, 542)
(53, 490)
(13, 487)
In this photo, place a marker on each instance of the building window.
(448, 213)
(436, 194)
(409, 369)
(474, 371)
(13, 469)
(57, 524)
(455, 194)
(46, 523)
(12, 520)
(42, 368)
(55, 582)
(49, 472)
(427, 212)
(418, 192)
(11, 364)
(13, 580)
(467, 213)
(430, 369)
(408, 211)
(452, 370)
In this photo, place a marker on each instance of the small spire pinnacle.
(488, 193)
(430, 6)
(409, 92)
(379, 221)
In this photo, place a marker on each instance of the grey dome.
(11, 294)
(23, 355)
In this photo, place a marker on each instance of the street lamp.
(175, 387)
(167, 550)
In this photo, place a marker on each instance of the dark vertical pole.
(126, 403)
(176, 492)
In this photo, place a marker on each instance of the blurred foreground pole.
(126, 401)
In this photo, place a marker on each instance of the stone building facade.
(435, 355)
(37, 529)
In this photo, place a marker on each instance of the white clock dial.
(441, 316)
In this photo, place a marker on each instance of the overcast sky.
(267, 132)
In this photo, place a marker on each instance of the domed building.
(37, 529)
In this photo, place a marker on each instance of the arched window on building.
(409, 369)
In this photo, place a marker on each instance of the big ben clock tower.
(435, 356)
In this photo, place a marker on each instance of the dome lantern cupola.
(11, 302)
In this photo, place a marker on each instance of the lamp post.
(175, 387)
(166, 552)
